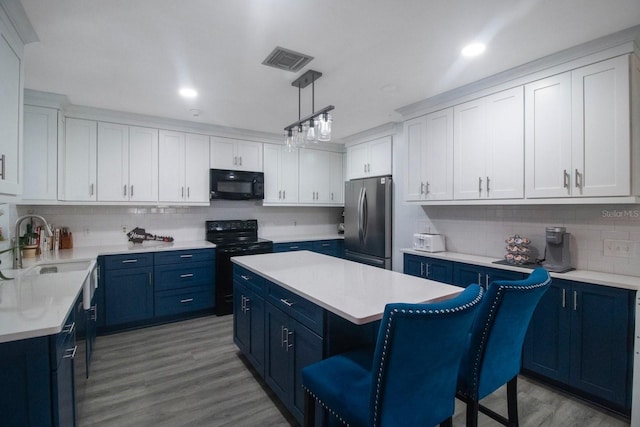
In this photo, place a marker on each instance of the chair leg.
(309, 409)
(512, 401)
(447, 423)
(472, 413)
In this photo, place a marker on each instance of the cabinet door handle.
(182, 192)
(422, 188)
(245, 277)
(578, 180)
(235, 160)
(280, 195)
(70, 353)
(242, 303)
(286, 302)
(564, 298)
(94, 312)
(479, 185)
(247, 307)
(186, 256)
(240, 160)
(150, 280)
(132, 191)
(289, 339)
(565, 179)
(480, 279)
(186, 300)
(331, 195)
(282, 328)
(427, 190)
(575, 301)
(486, 281)
(487, 186)
(91, 190)
(364, 167)
(68, 329)
(185, 276)
(3, 159)
(427, 270)
(129, 261)
(421, 269)
(284, 194)
(125, 190)
(188, 192)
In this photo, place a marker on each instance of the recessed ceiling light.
(187, 92)
(473, 49)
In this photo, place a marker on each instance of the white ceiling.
(133, 55)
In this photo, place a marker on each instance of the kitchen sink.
(90, 283)
(60, 267)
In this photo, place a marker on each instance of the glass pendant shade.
(324, 127)
(289, 141)
(310, 134)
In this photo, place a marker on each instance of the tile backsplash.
(103, 225)
(481, 230)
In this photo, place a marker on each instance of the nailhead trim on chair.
(335, 414)
(485, 331)
(386, 342)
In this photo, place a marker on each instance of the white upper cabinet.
(489, 147)
(183, 168)
(40, 180)
(280, 175)
(315, 176)
(127, 163)
(372, 158)
(337, 178)
(600, 133)
(235, 154)
(78, 157)
(578, 132)
(430, 156)
(10, 112)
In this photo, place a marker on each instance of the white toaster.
(428, 242)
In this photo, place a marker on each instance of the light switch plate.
(619, 248)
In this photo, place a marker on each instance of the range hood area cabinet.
(579, 142)
(370, 158)
(235, 154)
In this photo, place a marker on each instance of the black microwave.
(236, 185)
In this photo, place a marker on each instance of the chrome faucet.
(17, 258)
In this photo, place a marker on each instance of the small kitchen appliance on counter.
(557, 256)
(428, 242)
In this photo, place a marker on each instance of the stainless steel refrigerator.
(367, 221)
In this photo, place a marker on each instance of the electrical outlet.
(124, 229)
(619, 248)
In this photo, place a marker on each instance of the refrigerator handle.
(365, 213)
(360, 215)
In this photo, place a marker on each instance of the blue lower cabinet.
(332, 247)
(290, 346)
(581, 336)
(37, 386)
(292, 246)
(428, 268)
(128, 295)
(466, 274)
(248, 325)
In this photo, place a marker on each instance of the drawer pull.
(129, 261)
(183, 301)
(186, 256)
(286, 302)
(245, 277)
(70, 353)
(68, 329)
(294, 247)
(185, 276)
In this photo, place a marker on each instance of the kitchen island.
(292, 309)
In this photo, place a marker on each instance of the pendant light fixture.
(314, 127)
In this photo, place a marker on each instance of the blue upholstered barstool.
(493, 354)
(408, 379)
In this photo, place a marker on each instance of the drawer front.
(294, 246)
(63, 343)
(176, 276)
(249, 279)
(183, 300)
(325, 246)
(185, 256)
(118, 262)
(305, 312)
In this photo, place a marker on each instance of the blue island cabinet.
(248, 316)
(37, 386)
(581, 336)
(429, 268)
(466, 274)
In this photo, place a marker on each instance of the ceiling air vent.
(285, 59)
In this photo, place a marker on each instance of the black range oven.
(232, 238)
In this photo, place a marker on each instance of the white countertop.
(37, 305)
(593, 277)
(354, 291)
(286, 238)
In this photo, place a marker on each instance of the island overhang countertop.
(354, 291)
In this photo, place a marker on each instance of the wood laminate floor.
(191, 374)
